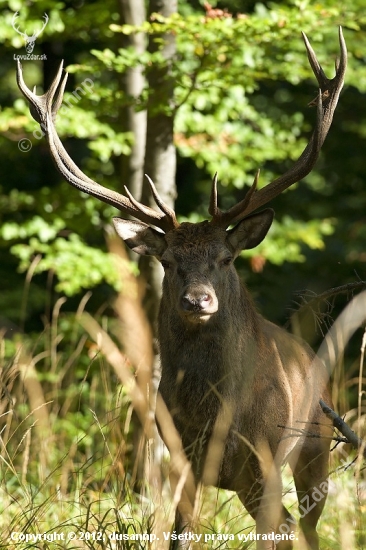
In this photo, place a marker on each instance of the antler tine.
(44, 109)
(314, 63)
(166, 223)
(236, 212)
(15, 17)
(54, 103)
(39, 104)
(48, 104)
(169, 212)
(213, 209)
(326, 103)
(341, 63)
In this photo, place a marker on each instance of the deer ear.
(251, 231)
(141, 238)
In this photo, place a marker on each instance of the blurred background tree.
(230, 84)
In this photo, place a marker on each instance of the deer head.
(29, 40)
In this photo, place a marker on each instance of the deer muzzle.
(198, 304)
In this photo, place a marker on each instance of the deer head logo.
(29, 40)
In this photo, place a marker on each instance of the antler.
(44, 109)
(329, 90)
(15, 17)
(37, 33)
(24, 34)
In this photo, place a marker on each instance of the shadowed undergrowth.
(68, 460)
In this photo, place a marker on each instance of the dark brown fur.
(235, 363)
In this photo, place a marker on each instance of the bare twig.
(343, 289)
(297, 431)
(308, 300)
(345, 430)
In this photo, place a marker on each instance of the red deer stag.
(230, 378)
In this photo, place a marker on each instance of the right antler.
(44, 109)
(326, 104)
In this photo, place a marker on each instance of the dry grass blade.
(121, 366)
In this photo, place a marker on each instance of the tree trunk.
(160, 156)
(133, 12)
(128, 305)
(153, 153)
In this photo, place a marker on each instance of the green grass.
(64, 489)
(89, 512)
(69, 457)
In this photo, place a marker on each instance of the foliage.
(77, 265)
(236, 109)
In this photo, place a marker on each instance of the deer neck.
(203, 368)
(214, 353)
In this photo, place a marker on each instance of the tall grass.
(68, 454)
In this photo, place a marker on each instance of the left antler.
(44, 109)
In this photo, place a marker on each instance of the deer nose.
(197, 303)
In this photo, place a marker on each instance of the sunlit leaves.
(37, 226)
(77, 265)
(238, 81)
(288, 238)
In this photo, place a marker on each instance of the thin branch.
(345, 430)
(332, 292)
(311, 435)
(308, 300)
(349, 435)
(193, 85)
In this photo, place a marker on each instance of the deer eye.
(226, 261)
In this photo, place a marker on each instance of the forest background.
(228, 86)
